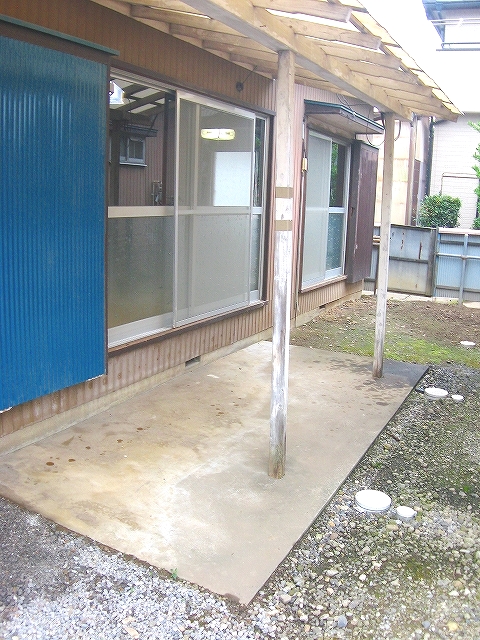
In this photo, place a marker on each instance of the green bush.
(476, 223)
(439, 211)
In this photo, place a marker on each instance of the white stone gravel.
(352, 575)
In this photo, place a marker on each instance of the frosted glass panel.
(214, 253)
(215, 198)
(316, 212)
(255, 271)
(140, 268)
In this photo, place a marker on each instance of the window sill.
(325, 283)
(169, 333)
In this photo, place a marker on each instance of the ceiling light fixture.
(218, 134)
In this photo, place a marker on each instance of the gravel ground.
(352, 575)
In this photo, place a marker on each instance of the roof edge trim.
(58, 34)
(318, 108)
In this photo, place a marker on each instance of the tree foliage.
(439, 211)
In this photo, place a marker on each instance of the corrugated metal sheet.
(411, 262)
(458, 265)
(52, 219)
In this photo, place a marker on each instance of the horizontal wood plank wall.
(145, 47)
(328, 293)
(137, 364)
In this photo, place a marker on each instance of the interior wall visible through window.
(325, 209)
(186, 208)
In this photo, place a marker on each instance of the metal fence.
(431, 262)
(458, 265)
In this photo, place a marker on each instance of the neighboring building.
(458, 25)
(410, 170)
(141, 196)
(452, 160)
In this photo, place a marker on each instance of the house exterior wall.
(411, 146)
(136, 365)
(454, 144)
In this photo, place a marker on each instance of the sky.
(456, 73)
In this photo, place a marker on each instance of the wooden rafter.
(337, 45)
(334, 34)
(307, 7)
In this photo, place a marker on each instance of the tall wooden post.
(411, 170)
(282, 261)
(384, 249)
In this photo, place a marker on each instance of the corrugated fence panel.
(411, 260)
(52, 218)
(458, 265)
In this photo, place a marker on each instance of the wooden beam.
(352, 52)
(253, 56)
(367, 24)
(307, 7)
(341, 75)
(175, 18)
(267, 29)
(283, 256)
(234, 41)
(334, 34)
(374, 71)
(168, 5)
(384, 248)
(116, 5)
(411, 171)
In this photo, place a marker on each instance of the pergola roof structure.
(338, 46)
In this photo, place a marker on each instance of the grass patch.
(424, 333)
(421, 351)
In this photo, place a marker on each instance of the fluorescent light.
(218, 134)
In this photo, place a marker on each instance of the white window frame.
(337, 271)
(147, 327)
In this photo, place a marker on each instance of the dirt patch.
(416, 331)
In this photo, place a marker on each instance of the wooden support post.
(282, 262)
(411, 170)
(384, 249)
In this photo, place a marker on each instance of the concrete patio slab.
(177, 476)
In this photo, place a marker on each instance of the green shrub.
(476, 223)
(439, 211)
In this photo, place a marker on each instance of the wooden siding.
(138, 363)
(330, 292)
(144, 47)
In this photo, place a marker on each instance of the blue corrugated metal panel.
(52, 225)
(472, 266)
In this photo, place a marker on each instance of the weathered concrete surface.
(177, 476)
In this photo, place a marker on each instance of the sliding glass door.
(185, 231)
